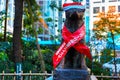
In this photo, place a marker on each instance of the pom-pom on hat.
(77, 5)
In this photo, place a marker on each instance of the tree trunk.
(112, 34)
(5, 28)
(36, 36)
(39, 51)
(17, 56)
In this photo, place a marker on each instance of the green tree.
(107, 23)
(2, 18)
(33, 15)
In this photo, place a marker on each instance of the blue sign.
(87, 29)
(48, 42)
(116, 41)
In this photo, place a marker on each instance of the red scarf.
(71, 40)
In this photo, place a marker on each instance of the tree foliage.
(34, 10)
(107, 22)
(28, 30)
(2, 18)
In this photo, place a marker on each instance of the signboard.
(116, 40)
(87, 20)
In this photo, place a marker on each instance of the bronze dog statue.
(74, 20)
(73, 47)
(71, 54)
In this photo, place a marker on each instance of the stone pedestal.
(71, 74)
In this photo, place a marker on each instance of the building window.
(96, 10)
(103, 1)
(112, 8)
(119, 8)
(94, 16)
(40, 3)
(103, 9)
(97, 1)
(112, 0)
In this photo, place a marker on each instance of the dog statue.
(69, 59)
(74, 20)
(72, 51)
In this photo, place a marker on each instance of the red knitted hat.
(78, 5)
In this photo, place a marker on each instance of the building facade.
(49, 9)
(97, 6)
(10, 15)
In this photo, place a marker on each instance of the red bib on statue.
(71, 40)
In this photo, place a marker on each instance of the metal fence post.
(3, 75)
(101, 76)
(30, 76)
(21, 75)
(14, 75)
(45, 75)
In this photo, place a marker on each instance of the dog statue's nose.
(73, 14)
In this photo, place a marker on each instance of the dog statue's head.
(74, 15)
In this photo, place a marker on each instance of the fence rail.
(112, 77)
(43, 76)
(24, 76)
(108, 77)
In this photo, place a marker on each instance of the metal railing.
(112, 77)
(43, 76)
(24, 76)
